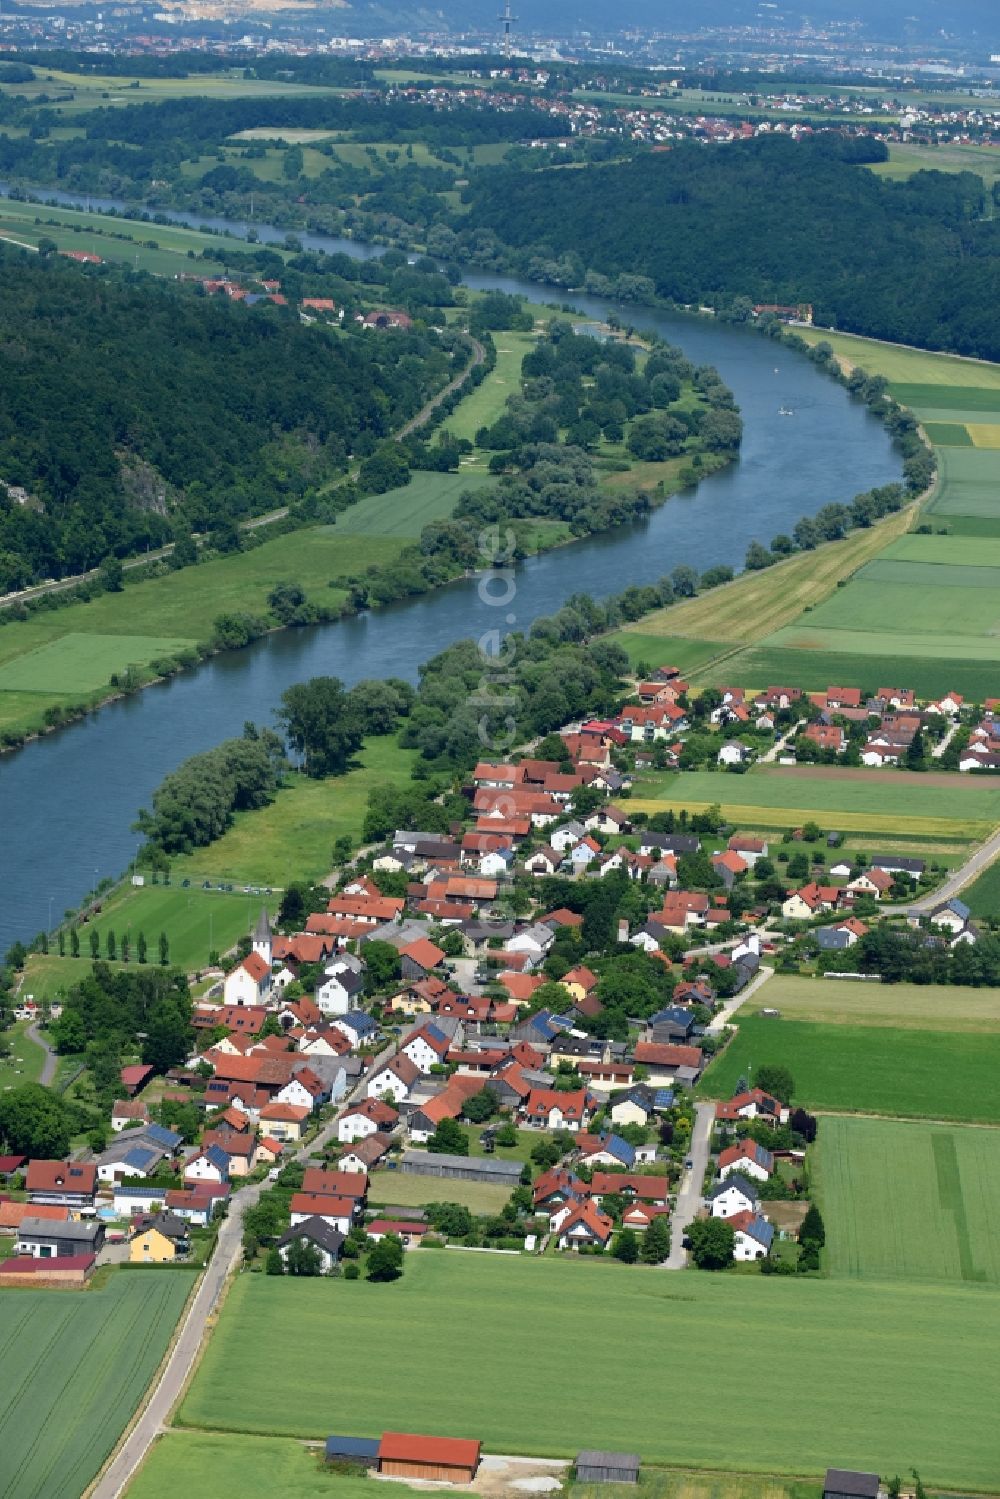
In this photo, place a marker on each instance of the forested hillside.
(132, 411)
(769, 220)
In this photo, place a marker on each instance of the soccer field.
(914, 1074)
(75, 1365)
(520, 1341)
(910, 1201)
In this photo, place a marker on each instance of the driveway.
(732, 1005)
(51, 1060)
(689, 1199)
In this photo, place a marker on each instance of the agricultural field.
(667, 650)
(756, 603)
(79, 91)
(905, 366)
(159, 248)
(404, 512)
(84, 662)
(983, 895)
(933, 1345)
(836, 797)
(177, 607)
(906, 158)
(922, 1007)
(296, 833)
(909, 1201)
(399, 1189)
(814, 670)
(910, 1074)
(75, 1366)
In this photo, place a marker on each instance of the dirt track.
(949, 780)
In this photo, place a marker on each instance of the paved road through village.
(180, 1361)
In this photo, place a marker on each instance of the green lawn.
(400, 1189)
(293, 838)
(24, 1065)
(196, 921)
(659, 1341)
(922, 1007)
(204, 1465)
(908, 367)
(917, 1074)
(909, 1201)
(405, 512)
(75, 1366)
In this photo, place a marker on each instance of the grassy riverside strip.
(932, 1345)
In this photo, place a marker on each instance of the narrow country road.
(478, 356)
(51, 1060)
(959, 878)
(180, 1361)
(689, 1198)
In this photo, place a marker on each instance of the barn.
(607, 1467)
(359, 1452)
(440, 1459)
(462, 1167)
(845, 1483)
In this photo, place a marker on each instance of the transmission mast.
(506, 17)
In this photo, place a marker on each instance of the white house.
(209, 1165)
(752, 1240)
(364, 1119)
(394, 1080)
(734, 1195)
(567, 836)
(249, 983)
(748, 1159)
(426, 1048)
(338, 1212)
(342, 983)
(733, 753)
(584, 853)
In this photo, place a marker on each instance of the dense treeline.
(131, 411)
(767, 220)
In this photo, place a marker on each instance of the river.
(67, 801)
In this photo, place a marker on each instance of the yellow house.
(163, 1238)
(579, 981)
(406, 1002)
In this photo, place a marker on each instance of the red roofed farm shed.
(442, 1459)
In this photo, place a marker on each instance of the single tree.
(777, 1081)
(386, 1259)
(656, 1241)
(449, 1139)
(95, 943)
(711, 1243)
(164, 949)
(111, 945)
(303, 1258)
(74, 943)
(140, 947)
(626, 1246)
(813, 1229)
(275, 1264)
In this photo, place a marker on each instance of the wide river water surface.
(67, 801)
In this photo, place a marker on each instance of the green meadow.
(932, 1345)
(815, 668)
(404, 512)
(909, 1201)
(914, 1074)
(75, 1365)
(293, 838)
